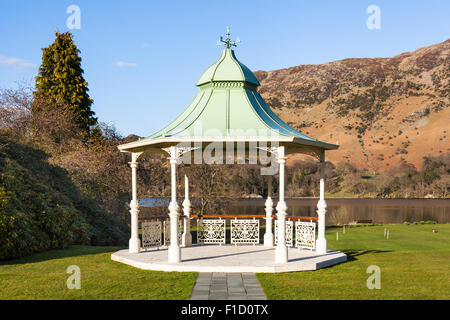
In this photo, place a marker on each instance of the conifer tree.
(60, 79)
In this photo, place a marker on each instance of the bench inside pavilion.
(228, 122)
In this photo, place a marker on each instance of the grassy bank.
(43, 276)
(414, 264)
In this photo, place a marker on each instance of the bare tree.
(209, 187)
(15, 108)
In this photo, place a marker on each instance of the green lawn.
(414, 263)
(43, 276)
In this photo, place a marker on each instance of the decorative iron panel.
(151, 234)
(167, 232)
(289, 228)
(244, 231)
(210, 231)
(305, 235)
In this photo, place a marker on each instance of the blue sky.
(142, 58)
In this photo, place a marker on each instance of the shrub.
(41, 208)
(33, 217)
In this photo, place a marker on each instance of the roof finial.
(228, 43)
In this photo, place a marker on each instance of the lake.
(344, 211)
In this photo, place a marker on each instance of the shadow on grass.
(354, 253)
(72, 251)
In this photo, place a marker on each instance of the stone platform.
(230, 259)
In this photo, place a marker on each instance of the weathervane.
(228, 42)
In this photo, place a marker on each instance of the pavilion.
(228, 116)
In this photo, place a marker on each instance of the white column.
(321, 243)
(281, 251)
(174, 247)
(268, 236)
(186, 239)
(134, 243)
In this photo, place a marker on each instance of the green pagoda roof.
(227, 107)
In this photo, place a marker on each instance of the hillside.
(382, 111)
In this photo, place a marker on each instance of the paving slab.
(227, 286)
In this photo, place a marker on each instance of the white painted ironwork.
(151, 234)
(321, 244)
(186, 238)
(289, 229)
(211, 231)
(167, 232)
(281, 251)
(134, 245)
(244, 231)
(272, 150)
(179, 151)
(268, 236)
(305, 235)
